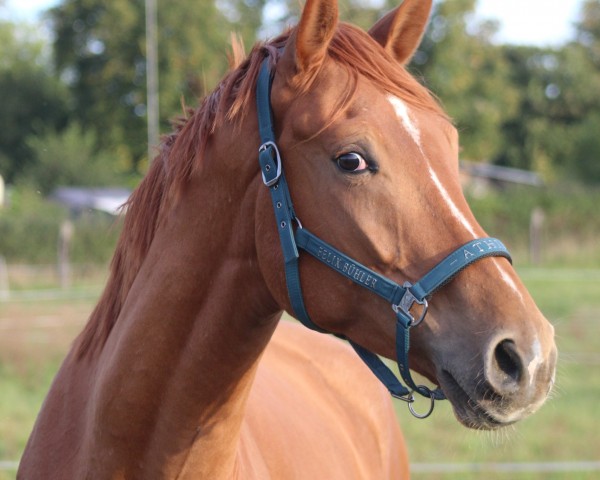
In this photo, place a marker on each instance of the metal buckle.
(410, 398)
(274, 180)
(406, 303)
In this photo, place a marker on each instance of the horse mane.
(181, 152)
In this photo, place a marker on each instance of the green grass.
(567, 428)
(34, 337)
(22, 395)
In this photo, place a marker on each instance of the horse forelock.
(181, 152)
(360, 55)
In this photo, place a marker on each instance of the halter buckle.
(274, 179)
(406, 303)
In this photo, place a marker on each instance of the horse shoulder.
(314, 398)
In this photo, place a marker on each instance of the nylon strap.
(272, 171)
(457, 261)
(438, 276)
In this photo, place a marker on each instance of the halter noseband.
(401, 297)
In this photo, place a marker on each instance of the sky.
(531, 22)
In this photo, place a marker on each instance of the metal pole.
(152, 77)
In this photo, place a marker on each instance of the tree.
(69, 158)
(32, 98)
(100, 51)
(246, 18)
(462, 66)
(588, 29)
(361, 13)
(557, 91)
(553, 129)
(584, 162)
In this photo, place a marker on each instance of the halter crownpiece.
(402, 298)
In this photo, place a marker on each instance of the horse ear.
(315, 30)
(400, 31)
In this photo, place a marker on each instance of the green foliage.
(29, 228)
(570, 227)
(69, 158)
(245, 18)
(469, 74)
(357, 12)
(588, 29)
(557, 91)
(95, 238)
(100, 50)
(32, 98)
(29, 231)
(525, 107)
(532, 108)
(584, 161)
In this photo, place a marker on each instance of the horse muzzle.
(511, 382)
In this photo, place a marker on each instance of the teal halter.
(402, 298)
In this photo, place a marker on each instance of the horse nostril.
(507, 367)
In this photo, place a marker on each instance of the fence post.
(4, 291)
(535, 235)
(2, 191)
(64, 249)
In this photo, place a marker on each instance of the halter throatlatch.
(402, 298)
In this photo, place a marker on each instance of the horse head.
(372, 163)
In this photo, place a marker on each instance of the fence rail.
(88, 279)
(21, 282)
(8, 465)
(49, 294)
(443, 468)
(560, 274)
(518, 467)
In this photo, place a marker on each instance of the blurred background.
(85, 90)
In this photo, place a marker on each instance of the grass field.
(566, 429)
(35, 335)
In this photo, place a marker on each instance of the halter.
(402, 298)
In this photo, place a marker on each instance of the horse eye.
(352, 162)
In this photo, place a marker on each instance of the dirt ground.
(33, 332)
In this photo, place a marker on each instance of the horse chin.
(470, 411)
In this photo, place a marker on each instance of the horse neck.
(175, 373)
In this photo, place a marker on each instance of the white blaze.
(508, 279)
(456, 213)
(404, 115)
(402, 112)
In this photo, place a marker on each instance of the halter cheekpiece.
(402, 298)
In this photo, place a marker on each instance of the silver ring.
(426, 414)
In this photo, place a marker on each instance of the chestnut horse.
(184, 369)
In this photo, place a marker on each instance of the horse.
(185, 369)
